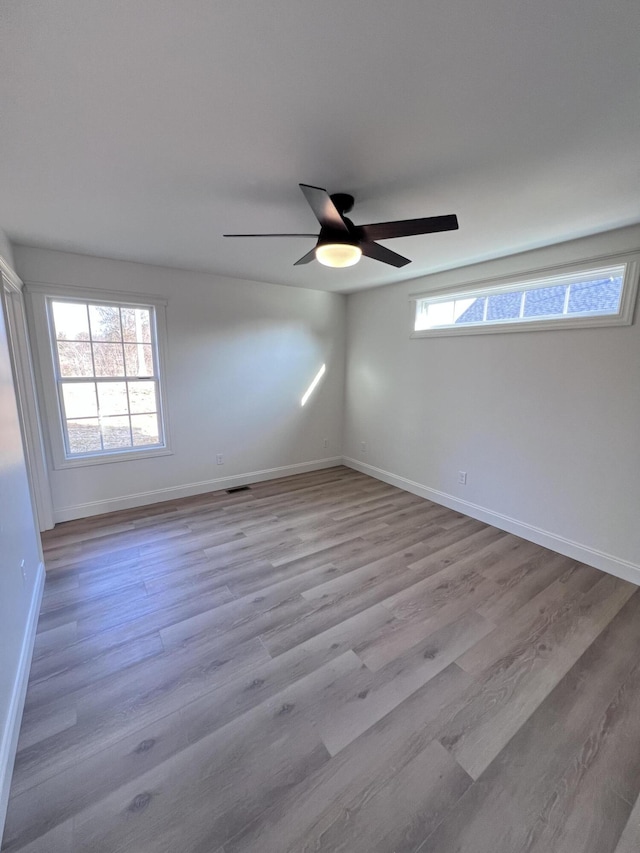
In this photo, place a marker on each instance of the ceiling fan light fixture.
(338, 254)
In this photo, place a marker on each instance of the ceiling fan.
(342, 244)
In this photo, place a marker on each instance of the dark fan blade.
(409, 227)
(325, 210)
(306, 259)
(315, 236)
(381, 253)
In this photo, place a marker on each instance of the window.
(603, 296)
(106, 391)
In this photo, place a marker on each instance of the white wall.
(546, 423)
(19, 541)
(240, 357)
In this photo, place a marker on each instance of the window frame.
(533, 279)
(41, 297)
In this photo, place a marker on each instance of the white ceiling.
(145, 129)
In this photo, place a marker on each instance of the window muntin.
(554, 301)
(105, 358)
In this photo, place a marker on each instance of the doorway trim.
(28, 408)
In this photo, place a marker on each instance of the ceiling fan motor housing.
(343, 202)
(332, 235)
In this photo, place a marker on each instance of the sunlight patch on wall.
(311, 387)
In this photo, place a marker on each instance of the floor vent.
(238, 489)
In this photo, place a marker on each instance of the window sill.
(108, 458)
(524, 326)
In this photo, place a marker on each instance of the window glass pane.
(440, 313)
(115, 433)
(544, 301)
(471, 313)
(71, 321)
(112, 398)
(75, 359)
(602, 296)
(145, 429)
(105, 323)
(504, 306)
(142, 397)
(84, 435)
(422, 316)
(80, 399)
(136, 325)
(108, 359)
(139, 359)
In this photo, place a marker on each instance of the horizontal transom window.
(587, 297)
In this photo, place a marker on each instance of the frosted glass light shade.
(338, 254)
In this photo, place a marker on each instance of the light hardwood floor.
(325, 663)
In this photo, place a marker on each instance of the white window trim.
(38, 295)
(542, 277)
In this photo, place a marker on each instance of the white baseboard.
(583, 553)
(11, 726)
(67, 513)
(592, 557)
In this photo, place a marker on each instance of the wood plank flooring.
(325, 663)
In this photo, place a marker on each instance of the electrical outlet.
(462, 478)
(219, 459)
(363, 446)
(325, 443)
